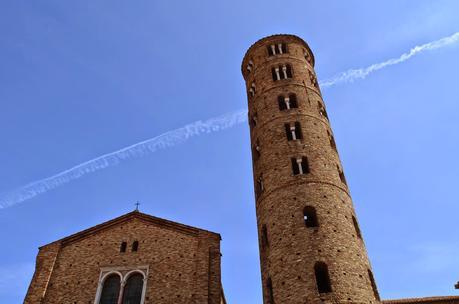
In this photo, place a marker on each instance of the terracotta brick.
(293, 249)
(183, 262)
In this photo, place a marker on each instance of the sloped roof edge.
(128, 216)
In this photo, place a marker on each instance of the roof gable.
(159, 222)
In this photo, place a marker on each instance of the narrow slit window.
(288, 131)
(271, 50)
(259, 186)
(373, 285)
(123, 247)
(257, 150)
(322, 277)
(293, 101)
(298, 133)
(356, 227)
(307, 56)
(289, 71)
(135, 246)
(341, 175)
(310, 217)
(332, 141)
(253, 120)
(269, 287)
(282, 103)
(264, 236)
(250, 66)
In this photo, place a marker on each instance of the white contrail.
(362, 73)
(180, 135)
(163, 141)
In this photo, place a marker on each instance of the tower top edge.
(267, 39)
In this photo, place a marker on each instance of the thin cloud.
(362, 73)
(180, 135)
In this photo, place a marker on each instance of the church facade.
(132, 259)
(311, 247)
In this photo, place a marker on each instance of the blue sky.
(79, 79)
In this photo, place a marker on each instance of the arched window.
(356, 226)
(300, 165)
(277, 49)
(132, 293)
(281, 72)
(373, 285)
(135, 246)
(310, 217)
(322, 277)
(110, 290)
(293, 131)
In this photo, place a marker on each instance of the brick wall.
(183, 262)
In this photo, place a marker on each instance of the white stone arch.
(128, 274)
(102, 278)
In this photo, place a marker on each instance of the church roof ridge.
(437, 299)
(130, 215)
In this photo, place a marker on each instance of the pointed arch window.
(322, 277)
(110, 290)
(132, 293)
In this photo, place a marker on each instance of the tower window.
(356, 226)
(256, 150)
(313, 79)
(332, 141)
(277, 49)
(264, 236)
(373, 285)
(322, 110)
(322, 277)
(252, 89)
(259, 186)
(281, 72)
(341, 175)
(269, 289)
(254, 119)
(287, 103)
(293, 102)
(250, 66)
(307, 56)
(135, 246)
(300, 165)
(293, 131)
(123, 247)
(310, 217)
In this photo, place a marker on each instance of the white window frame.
(124, 273)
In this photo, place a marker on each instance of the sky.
(79, 79)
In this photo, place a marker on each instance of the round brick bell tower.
(311, 248)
